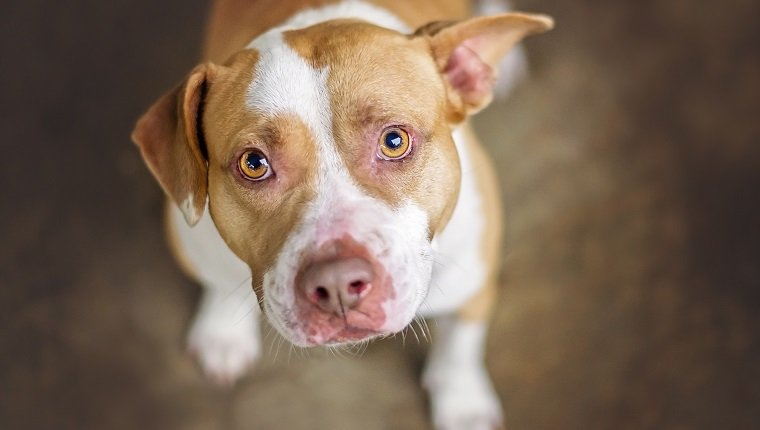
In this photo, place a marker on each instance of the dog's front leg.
(461, 394)
(224, 335)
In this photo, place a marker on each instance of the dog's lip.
(347, 334)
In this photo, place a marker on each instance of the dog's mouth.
(348, 335)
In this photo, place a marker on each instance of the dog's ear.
(468, 53)
(171, 142)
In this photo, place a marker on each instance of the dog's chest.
(459, 269)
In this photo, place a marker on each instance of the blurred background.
(630, 166)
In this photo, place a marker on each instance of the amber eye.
(394, 144)
(253, 165)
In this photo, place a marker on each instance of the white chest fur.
(459, 270)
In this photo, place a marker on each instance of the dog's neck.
(235, 23)
(344, 10)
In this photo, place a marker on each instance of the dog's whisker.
(425, 304)
(245, 315)
(421, 324)
(448, 261)
(278, 346)
(337, 351)
(290, 352)
(363, 347)
(271, 340)
(411, 326)
(268, 339)
(232, 291)
(280, 340)
(427, 327)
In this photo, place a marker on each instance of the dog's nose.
(337, 285)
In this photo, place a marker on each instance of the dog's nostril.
(321, 293)
(358, 286)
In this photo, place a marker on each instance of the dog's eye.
(394, 144)
(254, 165)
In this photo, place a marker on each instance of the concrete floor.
(630, 165)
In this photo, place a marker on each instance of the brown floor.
(630, 164)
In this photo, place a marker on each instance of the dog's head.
(326, 157)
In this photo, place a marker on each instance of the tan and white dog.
(322, 154)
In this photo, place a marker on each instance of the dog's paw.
(464, 400)
(224, 351)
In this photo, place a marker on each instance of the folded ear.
(171, 142)
(468, 54)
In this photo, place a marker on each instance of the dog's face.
(357, 170)
(326, 157)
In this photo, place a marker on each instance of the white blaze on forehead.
(283, 82)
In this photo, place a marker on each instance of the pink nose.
(337, 285)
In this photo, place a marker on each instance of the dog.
(322, 154)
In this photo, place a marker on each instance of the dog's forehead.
(313, 71)
(284, 84)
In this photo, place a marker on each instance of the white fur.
(284, 83)
(224, 334)
(461, 394)
(187, 207)
(345, 9)
(460, 271)
(396, 237)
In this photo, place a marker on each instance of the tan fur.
(171, 146)
(419, 12)
(234, 23)
(490, 37)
